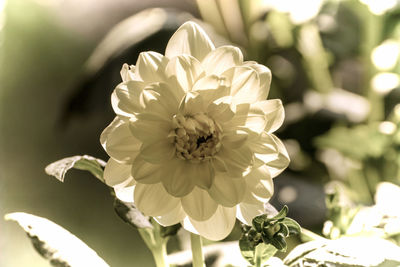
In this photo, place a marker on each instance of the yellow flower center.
(196, 137)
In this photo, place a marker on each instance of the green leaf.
(258, 222)
(265, 252)
(247, 249)
(131, 215)
(282, 213)
(345, 251)
(292, 225)
(279, 242)
(59, 168)
(56, 244)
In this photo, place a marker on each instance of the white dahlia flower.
(192, 140)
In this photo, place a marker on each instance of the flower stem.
(160, 255)
(197, 251)
(258, 256)
(156, 244)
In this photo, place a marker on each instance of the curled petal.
(226, 191)
(277, 165)
(245, 84)
(273, 111)
(198, 205)
(217, 227)
(263, 144)
(150, 67)
(271, 152)
(153, 200)
(189, 39)
(265, 76)
(119, 142)
(125, 98)
(127, 72)
(221, 59)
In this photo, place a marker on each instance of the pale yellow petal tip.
(9, 217)
(14, 216)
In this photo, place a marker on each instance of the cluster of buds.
(270, 230)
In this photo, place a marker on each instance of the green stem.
(372, 36)
(258, 256)
(156, 244)
(197, 251)
(315, 58)
(160, 255)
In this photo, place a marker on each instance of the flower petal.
(221, 112)
(119, 142)
(149, 129)
(273, 111)
(260, 186)
(125, 98)
(189, 39)
(157, 99)
(218, 227)
(211, 88)
(262, 144)
(191, 104)
(157, 152)
(145, 172)
(201, 173)
(150, 67)
(247, 116)
(127, 72)
(116, 173)
(186, 69)
(245, 84)
(198, 205)
(125, 194)
(265, 76)
(172, 217)
(234, 139)
(277, 166)
(153, 200)
(226, 191)
(246, 212)
(177, 181)
(236, 161)
(221, 59)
